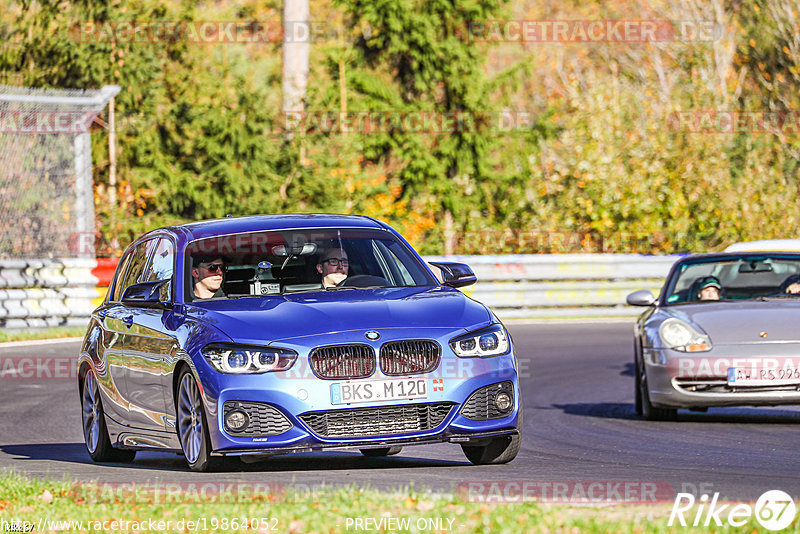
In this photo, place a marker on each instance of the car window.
(136, 264)
(279, 262)
(738, 278)
(161, 265)
(118, 279)
(397, 271)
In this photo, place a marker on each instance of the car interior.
(283, 266)
(739, 279)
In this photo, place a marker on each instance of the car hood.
(267, 319)
(740, 322)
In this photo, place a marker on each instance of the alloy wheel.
(190, 418)
(90, 412)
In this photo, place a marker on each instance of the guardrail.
(563, 285)
(63, 292)
(45, 293)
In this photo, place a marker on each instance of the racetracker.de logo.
(208, 491)
(591, 31)
(566, 491)
(37, 368)
(204, 31)
(46, 122)
(406, 121)
(709, 121)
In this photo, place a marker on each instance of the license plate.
(749, 376)
(379, 390)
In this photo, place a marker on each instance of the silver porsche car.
(724, 331)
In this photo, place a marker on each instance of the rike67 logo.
(774, 510)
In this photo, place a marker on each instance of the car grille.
(480, 406)
(409, 357)
(380, 421)
(343, 361)
(264, 420)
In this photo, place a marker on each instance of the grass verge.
(49, 333)
(61, 506)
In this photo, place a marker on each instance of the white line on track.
(34, 342)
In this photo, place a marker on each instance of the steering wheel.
(363, 280)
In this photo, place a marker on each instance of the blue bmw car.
(267, 335)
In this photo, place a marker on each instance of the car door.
(150, 345)
(111, 373)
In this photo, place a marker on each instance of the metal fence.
(41, 293)
(46, 193)
(46, 293)
(563, 285)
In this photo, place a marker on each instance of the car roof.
(766, 245)
(258, 223)
(736, 254)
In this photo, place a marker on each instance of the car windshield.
(735, 278)
(293, 261)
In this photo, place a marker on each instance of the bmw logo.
(372, 335)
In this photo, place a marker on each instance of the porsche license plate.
(379, 390)
(749, 376)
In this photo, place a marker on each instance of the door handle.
(128, 321)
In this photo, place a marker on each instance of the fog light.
(503, 401)
(236, 420)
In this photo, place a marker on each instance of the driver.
(333, 267)
(207, 276)
(710, 289)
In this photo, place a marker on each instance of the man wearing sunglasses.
(333, 267)
(207, 276)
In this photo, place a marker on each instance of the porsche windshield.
(279, 262)
(736, 278)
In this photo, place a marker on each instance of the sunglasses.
(336, 261)
(213, 267)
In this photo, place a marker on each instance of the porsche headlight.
(679, 335)
(247, 359)
(487, 342)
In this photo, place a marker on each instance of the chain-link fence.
(47, 205)
(46, 193)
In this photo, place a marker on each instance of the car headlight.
(679, 335)
(486, 342)
(246, 359)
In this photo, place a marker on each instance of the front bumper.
(469, 439)
(684, 380)
(296, 395)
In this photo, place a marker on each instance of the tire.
(650, 412)
(499, 450)
(192, 425)
(383, 451)
(95, 432)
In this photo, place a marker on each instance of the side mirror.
(456, 274)
(149, 294)
(643, 297)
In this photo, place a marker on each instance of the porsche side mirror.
(643, 297)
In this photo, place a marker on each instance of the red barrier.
(104, 271)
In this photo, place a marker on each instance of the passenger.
(710, 289)
(207, 275)
(333, 267)
(791, 285)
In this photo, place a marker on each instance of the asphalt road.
(579, 426)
